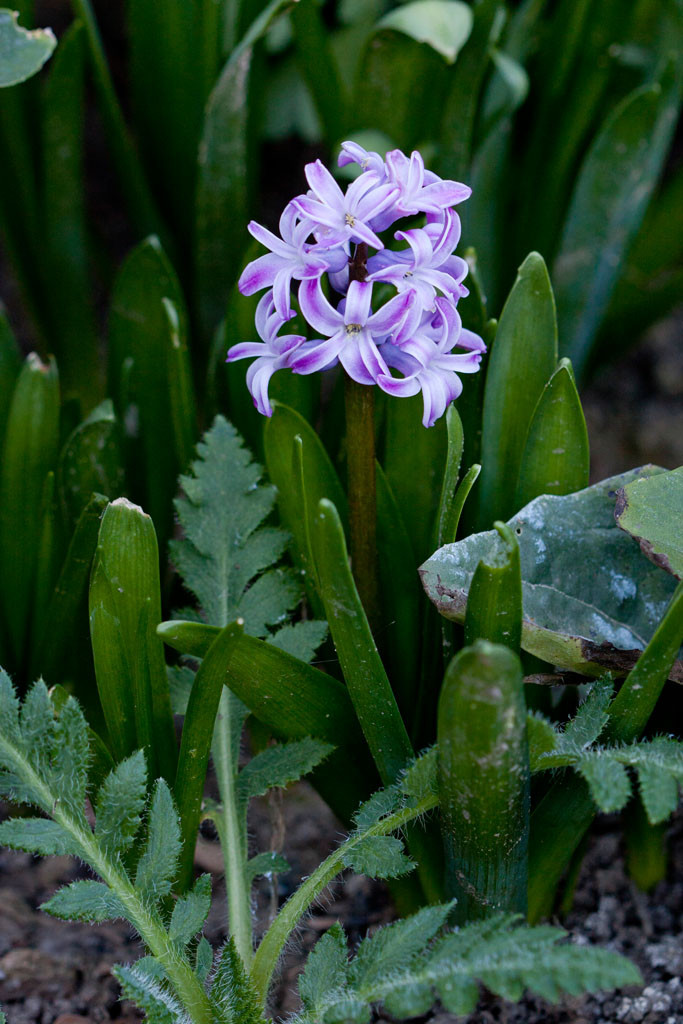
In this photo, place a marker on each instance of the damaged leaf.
(22, 52)
(591, 600)
(650, 509)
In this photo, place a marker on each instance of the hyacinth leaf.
(180, 387)
(523, 358)
(319, 67)
(556, 456)
(494, 600)
(10, 365)
(609, 202)
(400, 590)
(22, 52)
(407, 444)
(29, 454)
(125, 608)
(575, 616)
(91, 462)
(140, 363)
(444, 24)
(61, 622)
(301, 470)
(448, 514)
(484, 781)
(649, 510)
(366, 679)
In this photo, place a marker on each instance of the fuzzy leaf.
(381, 803)
(608, 781)
(301, 639)
(325, 971)
(159, 861)
(85, 901)
(149, 994)
(232, 991)
(190, 911)
(420, 779)
(590, 719)
(204, 959)
(36, 835)
(542, 738)
(280, 765)
(71, 758)
(268, 863)
(378, 857)
(120, 803)
(396, 946)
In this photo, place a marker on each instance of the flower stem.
(360, 462)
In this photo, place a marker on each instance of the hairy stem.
(268, 953)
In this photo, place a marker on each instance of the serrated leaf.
(396, 946)
(420, 779)
(301, 639)
(268, 863)
(280, 765)
(326, 969)
(590, 718)
(71, 758)
(36, 835)
(658, 791)
(159, 861)
(232, 991)
(381, 803)
(158, 1005)
(190, 911)
(120, 802)
(607, 780)
(576, 614)
(85, 901)
(378, 857)
(22, 52)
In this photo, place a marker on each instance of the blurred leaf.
(10, 365)
(607, 207)
(22, 52)
(591, 599)
(125, 608)
(379, 857)
(556, 458)
(444, 24)
(649, 510)
(522, 359)
(319, 66)
(280, 765)
(90, 461)
(29, 454)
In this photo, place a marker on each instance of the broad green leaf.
(125, 608)
(91, 461)
(158, 864)
(483, 763)
(608, 782)
(85, 901)
(28, 455)
(607, 207)
(366, 680)
(556, 457)
(190, 911)
(444, 24)
(494, 600)
(649, 510)
(22, 52)
(379, 857)
(523, 358)
(591, 600)
(280, 765)
(143, 346)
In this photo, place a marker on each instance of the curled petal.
(323, 185)
(358, 298)
(403, 387)
(318, 355)
(260, 273)
(444, 193)
(317, 310)
(268, 239)
(246, 350)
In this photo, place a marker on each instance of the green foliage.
(22, 53)
(159, 861)
(158, 1005)
(379, 857)
(120, 802)
(647, 509)
(407, 967)
(190, 911)
(232, 993)
(280, 765)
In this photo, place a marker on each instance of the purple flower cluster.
(329, 233)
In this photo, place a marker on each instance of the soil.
(52, 972)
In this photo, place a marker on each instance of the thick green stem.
(268, 953)
(360, 458)
(231, 823)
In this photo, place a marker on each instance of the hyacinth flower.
(413, 342)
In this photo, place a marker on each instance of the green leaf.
(226, 546)
(577, 614)
(607, 780)
(396, 946)
(420, 779)
(232, 992)
(301, 639)
(36, 835)
(190, 911)
(448, 514)
(380, 804)
(28, 456)
(10, 365)
(204, 960)
(85, 901)
(319, 67)
(523, 358)
(379, 857)
(444, 24)
(556, 457)
(326, 969)
(120, 802)
(609, 202)
(280, 765)
(542, 738)
(125, 608)
(364, 673)
(71, 758)
(268, 864)
(159, 861)
(494, 600)
(22, 53)
(90, 461)
(590, 719)
(149, 995)
(143, 350)
(647, 510)
(483, 763)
